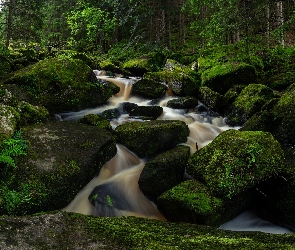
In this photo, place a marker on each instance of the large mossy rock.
(213, 100)
(62, 158)
(192, 202)
(151, 137)
(149, 89)
(182, 80)
(221, 78)
(236, 161)
(63, 231)
(249, 101)
(97, 121)
(59, 85)
(163, 172)
(279, 119)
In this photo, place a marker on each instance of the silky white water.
(122, 172)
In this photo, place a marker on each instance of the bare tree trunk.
(9, 22)
(267, 25)
(280, 19)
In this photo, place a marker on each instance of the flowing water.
(119, 176)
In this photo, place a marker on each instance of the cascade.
(119, 176)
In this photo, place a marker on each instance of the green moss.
(151, 137)
(235, 161)
(97, 121)
(220, 78)
(249, 101)
(148, 89)
(191, 201)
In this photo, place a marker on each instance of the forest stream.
(119, 176)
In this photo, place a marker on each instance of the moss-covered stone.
(151, 137)
(97, 121)
(62, 158)
(221, 78)
(60, 84)
(236, 161)
(30, 114)
(110, 114)
(9, 120)
(146, 112)
(163, 172)
(192, 202)
(183, 102)
(63, 231)
(250, 101)
(212, 100)
(138, 66)
(7, 98)
(182, 80)
(149, 89)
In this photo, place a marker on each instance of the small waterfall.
(115, 191)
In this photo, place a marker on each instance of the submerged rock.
(236, 161)
(151, 137)
(62, 158)
(163, 172)
(192, 202)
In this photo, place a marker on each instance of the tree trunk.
(9, 22)
(280, 20)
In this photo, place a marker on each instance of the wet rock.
(146, 112)
(149, 89)
(163, 172)
(151, 137)
(62, 158)
(182, 103)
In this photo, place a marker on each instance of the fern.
(11, 148)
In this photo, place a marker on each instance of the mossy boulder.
(9, 120)
(149, 89)
(183, 102)
(61, 230)
(192, 202)
(138, 66)
(62, 158)
(146, 112)
(236, 161)
(163, 172)
(212, 100)
(60, 84)
(182, 80)
(151, 137)
(278, 117)
(97, 121)
(7, 98)
(30, 114)
(249, 101)
(221, 78)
